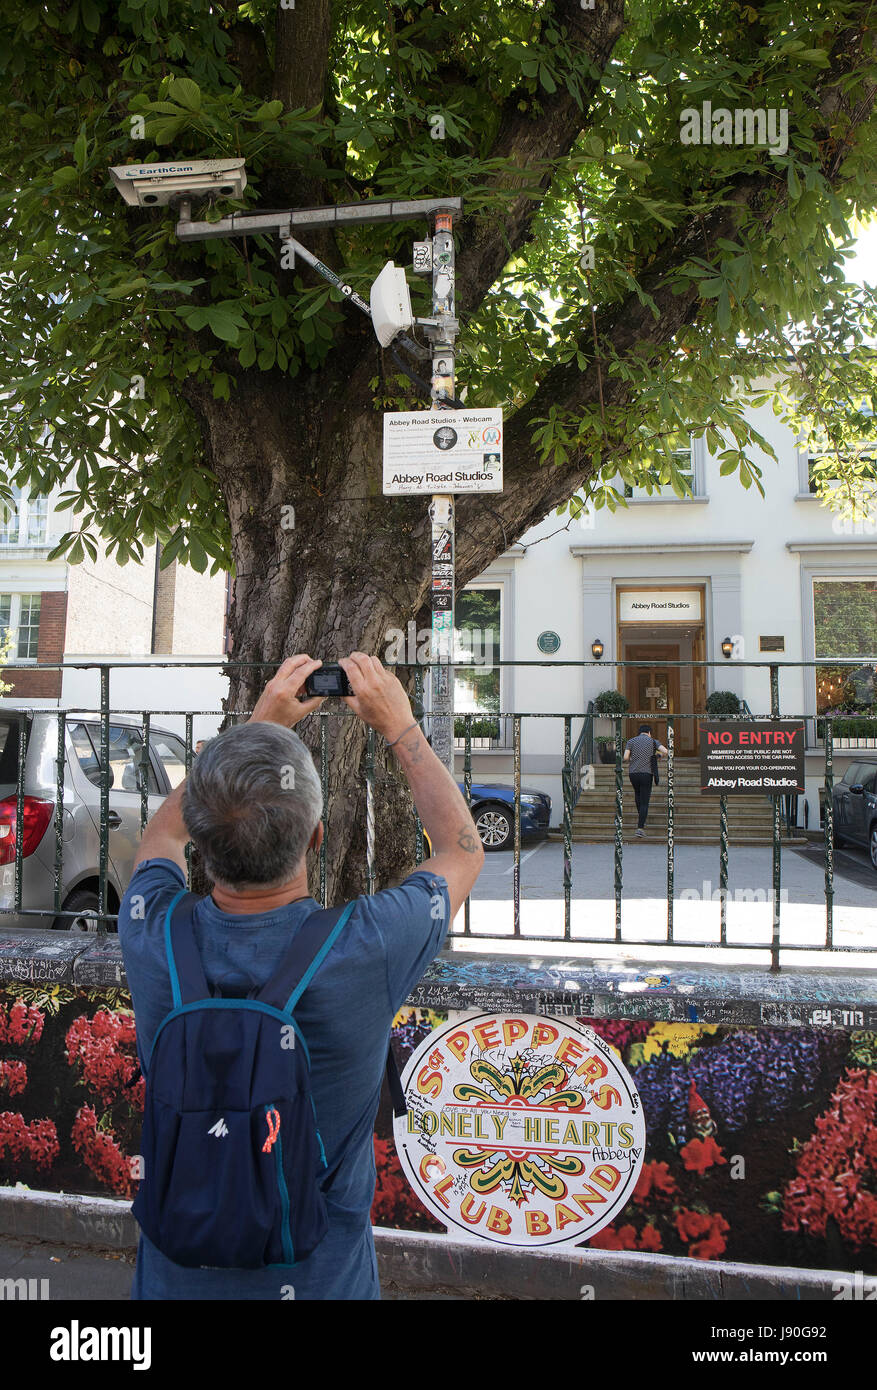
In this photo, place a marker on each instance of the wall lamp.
(596, 649)
(727, 647)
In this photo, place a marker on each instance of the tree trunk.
(354, 566)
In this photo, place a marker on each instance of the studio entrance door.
(652, 687)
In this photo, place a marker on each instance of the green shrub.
(723, 702)
(611, 702)
(479, 728)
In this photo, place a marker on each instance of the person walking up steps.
(639, 753)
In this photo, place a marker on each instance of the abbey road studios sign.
(429, 451)
(752, 755)
(659, 605)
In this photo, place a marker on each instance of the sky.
(862, 266)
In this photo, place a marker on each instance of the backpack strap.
(188, 981)
(313, 941)
(394, 1085)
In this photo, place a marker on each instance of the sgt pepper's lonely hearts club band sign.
(520, 1130)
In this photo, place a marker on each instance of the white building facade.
(666, 582)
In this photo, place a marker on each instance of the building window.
(845, 624)
(23, 521)
(823, 468)
(477, 646)
(20, 615)
(682, 451)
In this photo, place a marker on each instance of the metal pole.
(777, 828)
(370, 812)
(567, 824)
(671, 822)
(441, 509)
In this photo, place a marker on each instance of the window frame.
(21, 512)
(14, 624)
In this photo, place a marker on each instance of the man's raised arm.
(380, 700)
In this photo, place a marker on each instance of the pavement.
(83, 1274)
(695, 897)
(73, 1272)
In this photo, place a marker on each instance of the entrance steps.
(695, 815)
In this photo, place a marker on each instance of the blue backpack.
(232, 1156)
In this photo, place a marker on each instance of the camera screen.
(327, 682)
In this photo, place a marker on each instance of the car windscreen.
(8, 752)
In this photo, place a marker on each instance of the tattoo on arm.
(468, 840)
(413, 749)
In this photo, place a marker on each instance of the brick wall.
(33, 684)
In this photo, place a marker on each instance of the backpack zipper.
(274, 1141)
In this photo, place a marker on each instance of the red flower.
(607, 1239)
(692, 1225)
(13, 1077)
(100, 1152)
(650, 1239)
(655, 1180)
(837, 1167)
(23, 1025)
(624, 1238)
(99, 1046)
(37, 1141)
(700, 1154)
(705, 1229)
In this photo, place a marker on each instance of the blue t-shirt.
(345, 1015)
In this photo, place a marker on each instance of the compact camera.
(328, 680)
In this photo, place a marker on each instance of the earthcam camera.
(156, 185)
(328, 680)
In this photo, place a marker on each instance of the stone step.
(579, 836)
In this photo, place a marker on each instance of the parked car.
(81, 816)
(854, 800)
(493, 810)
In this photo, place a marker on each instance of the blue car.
(493, 810)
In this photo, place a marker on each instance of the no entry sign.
(752, 756)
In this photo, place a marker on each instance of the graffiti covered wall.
(761, 1143)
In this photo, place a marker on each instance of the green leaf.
(64, 176)
(186, 92)
(79, 150)
(269, 111)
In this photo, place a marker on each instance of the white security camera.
(390, 304)
(156, 185)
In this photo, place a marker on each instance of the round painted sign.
(521, 1130)
(548, 642)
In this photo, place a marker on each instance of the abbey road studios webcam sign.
(442, 451)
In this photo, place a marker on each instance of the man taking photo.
(252, 806)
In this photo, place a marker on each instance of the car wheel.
(494, 825)
(872, 845)
(84, 902)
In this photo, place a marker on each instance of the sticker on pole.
(442, 451)
(520, 1130)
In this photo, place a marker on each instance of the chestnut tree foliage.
(616, 285)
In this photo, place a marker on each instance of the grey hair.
(251, 803)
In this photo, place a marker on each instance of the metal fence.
(571, 773)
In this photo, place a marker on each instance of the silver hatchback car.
(80, 840)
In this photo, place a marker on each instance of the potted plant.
(722, 702)
(605, 748)
(609, 703)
